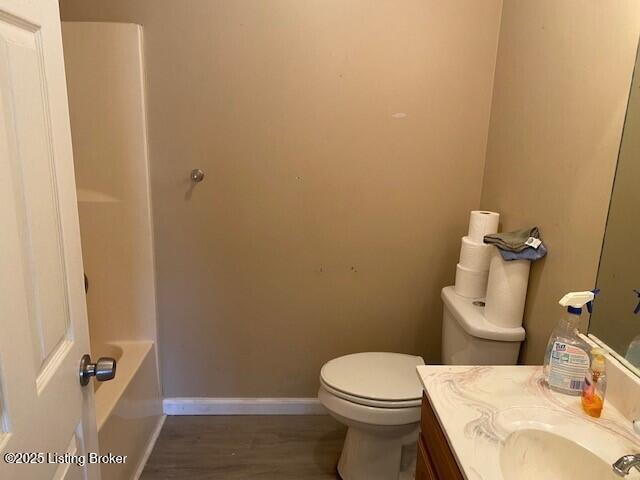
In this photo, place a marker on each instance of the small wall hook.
(197, 175)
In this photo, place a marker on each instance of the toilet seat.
(374, 379)
(349, 412)
(368, 402)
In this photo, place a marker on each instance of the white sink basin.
(532, 454)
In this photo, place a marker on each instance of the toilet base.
(379, 455)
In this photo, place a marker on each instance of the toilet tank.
(469, 339)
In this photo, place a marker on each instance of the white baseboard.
(242, 406)
(149, 448)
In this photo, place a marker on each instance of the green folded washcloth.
(515, 241)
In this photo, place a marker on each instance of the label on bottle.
(568, 366)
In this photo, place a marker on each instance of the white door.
(43, 320)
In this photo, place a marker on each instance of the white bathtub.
(129, 407)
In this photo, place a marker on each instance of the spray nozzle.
(574, 301)
(595, 292)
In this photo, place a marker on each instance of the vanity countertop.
(479, 407)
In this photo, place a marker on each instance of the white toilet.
(378, 395)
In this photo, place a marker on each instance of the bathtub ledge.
(108, 395)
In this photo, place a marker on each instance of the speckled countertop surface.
(484, 411)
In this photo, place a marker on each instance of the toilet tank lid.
(471, 318)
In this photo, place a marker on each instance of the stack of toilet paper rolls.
(482, 273)
(472, 271)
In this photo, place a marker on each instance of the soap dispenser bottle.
(595, 384)
(566, 360)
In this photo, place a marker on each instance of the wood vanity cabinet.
(435, 458)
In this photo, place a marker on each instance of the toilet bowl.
(377, 395)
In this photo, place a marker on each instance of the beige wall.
(344, 146)
(560, 94)
(106, 104)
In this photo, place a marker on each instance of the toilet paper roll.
(470, 283)
(474, 255)
(482, 223)
(506, 291)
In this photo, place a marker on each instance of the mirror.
(613, 321)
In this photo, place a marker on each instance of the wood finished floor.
(246, 447)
